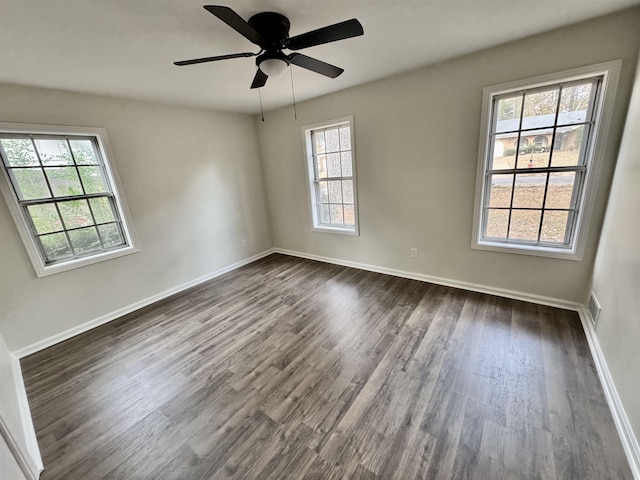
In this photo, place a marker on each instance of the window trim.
(610, 71)
(310, 169)
(22, 224)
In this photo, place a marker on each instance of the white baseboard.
(29, 461)
(623, 425)
(72, 332)
(474, 287)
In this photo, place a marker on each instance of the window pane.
(529, 190)
(347, 191)
(500, 192)
(92, 179)
(540, 109)
(84, 152)
(554, 226)
(335, 192)
(349, 215)
(322, 166)
(64, 181)
(323, 189)
(324, 214)
(535, 146)
(332, 140)
(504, 152)
(333, 163)
(497, 222)
(574, 103)
(319, 142)
(345, 138)
(55, 246)
(20, 152)
(525, 225)
(508, 114)
(75, 213)
(54, 152)
(336, 214)
(102, 209)
(85, 240)
(347, 171)
(567, 146)
(45, 218)
(31, 184)
(560, 190)
(111, 235)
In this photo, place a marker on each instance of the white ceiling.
(127, 48)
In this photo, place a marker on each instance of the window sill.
(341, 231)
(46, 270)
(565, 253)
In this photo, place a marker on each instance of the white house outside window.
(540, 150)
(63, 194)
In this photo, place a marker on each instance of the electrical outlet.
(243, 242)
(413, 252)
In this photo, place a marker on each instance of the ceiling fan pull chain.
(261, 110)
(293, 94)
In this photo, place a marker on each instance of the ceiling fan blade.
(259, 80)
(331, 33)
(315, 65)
(214, 59)
(236, 22)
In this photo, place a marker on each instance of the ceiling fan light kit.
(270, 31)
(272, 64)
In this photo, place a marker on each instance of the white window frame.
(43, 269)
(594, 152)
(312, 183)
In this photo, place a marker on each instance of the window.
(332, 176)
(63, 195)
(540, 150)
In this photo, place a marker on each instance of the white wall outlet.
(413, 252)
(243, 242)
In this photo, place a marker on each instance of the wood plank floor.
(289, 368)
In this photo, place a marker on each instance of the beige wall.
(417, 149)
(194, 185)
(616, 279)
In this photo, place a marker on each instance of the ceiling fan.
(270, 31)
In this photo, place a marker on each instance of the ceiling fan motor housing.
(273, 27)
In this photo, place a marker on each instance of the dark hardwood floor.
(289, 368)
